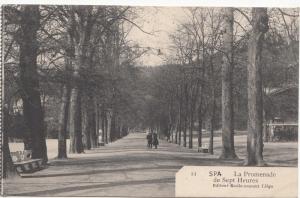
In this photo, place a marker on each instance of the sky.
(160, 22)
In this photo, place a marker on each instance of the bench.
(203, 149)
(29, 166)
(23, 162)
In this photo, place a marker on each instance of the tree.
(255, 96)
(63, 120)
(65, 100)
(81, 19)
(33, 113)
(228, 151)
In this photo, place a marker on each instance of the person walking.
(149, 140)
(155, 140)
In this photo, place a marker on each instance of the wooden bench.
(23, 162)
(29, 166)
(203, 149)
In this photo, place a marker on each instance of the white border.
(184, 3)
(205, 3)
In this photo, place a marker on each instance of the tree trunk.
(76, 145)
(212, 123)
(103, 125)
(255, 96)
(170, 124)
(65, 103)
(106, 124)
(121, 128)
(98, 121)
(63, 122)
(109, 120)
(213, 105)
(228, 151)
(194, 96)
(185, 115)
(85, 127)
(82, 24)
(32, 108)
(200, 121)
(180, 121)
(113, 127)
(191, 128)
(176, 131)
(184, 131)
(200, 110)
(78, 124)
(117, 128)
(265, 130)
(91, 122)
(94, 137)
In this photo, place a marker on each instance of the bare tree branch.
(284, 13)
(136, 25)
(240, 11)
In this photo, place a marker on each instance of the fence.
(281, 132)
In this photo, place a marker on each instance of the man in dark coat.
(155, 140)
(149, 139)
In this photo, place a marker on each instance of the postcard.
(125, 100)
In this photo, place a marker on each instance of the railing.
(278, 124)
(281, 132)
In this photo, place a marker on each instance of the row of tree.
(204, 85)
(73, 65)
(73, 70)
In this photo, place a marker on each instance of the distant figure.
(149, 139)
(155, 140)
(100, 140)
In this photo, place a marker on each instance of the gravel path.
(127, 168)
